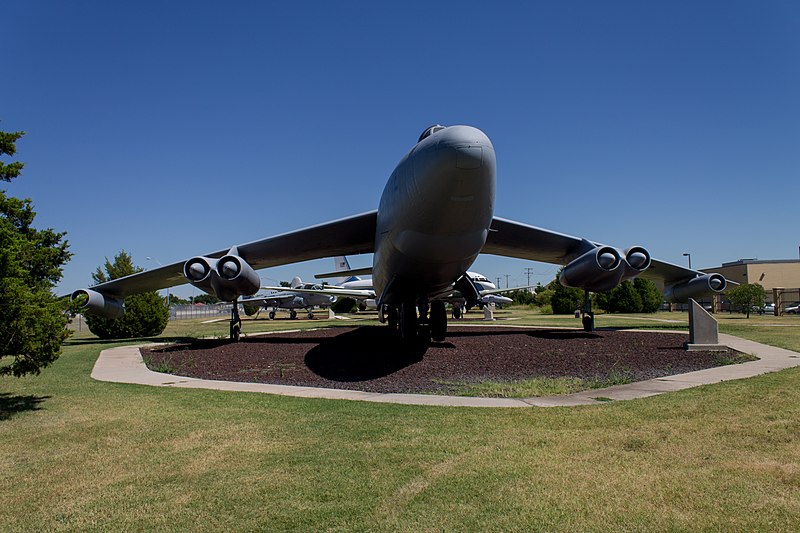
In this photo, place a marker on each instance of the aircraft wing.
(486, 292)
(515, 239)
(268, 301)
(352, 293)
(346, 236)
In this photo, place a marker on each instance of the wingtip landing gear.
(236, 322)
(587, 313)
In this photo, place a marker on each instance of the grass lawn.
(76, 454)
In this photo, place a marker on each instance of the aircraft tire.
(310, 316)
(438, 321)
(408, 321)
(392, 316)
(292, 314)
(272, 315)
(457, 312)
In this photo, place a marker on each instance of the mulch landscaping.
(369, 359)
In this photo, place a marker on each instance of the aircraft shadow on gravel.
(362, 354)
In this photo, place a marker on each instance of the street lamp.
(690, 260)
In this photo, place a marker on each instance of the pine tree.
(32, 320)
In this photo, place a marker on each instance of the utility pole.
(498, 281)
(507, 276)
(528, 271)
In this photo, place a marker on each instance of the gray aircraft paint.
(423, 241)
(420, 238)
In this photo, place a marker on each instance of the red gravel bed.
(369, 359)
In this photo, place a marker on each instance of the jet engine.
(599, 269)
(98, 304)
(637, 260)
(695, 287)
(228, 277)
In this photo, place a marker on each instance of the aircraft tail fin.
(341, 264)
(343, 273)
(296, 282)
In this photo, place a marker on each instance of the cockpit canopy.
(431, 129)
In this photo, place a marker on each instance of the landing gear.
(292, 314)
(236, 322)
(588, 314)
(457, 312)
(408, 321)
(438, 321)
(310, 315)
(272, 315)
(393, 318)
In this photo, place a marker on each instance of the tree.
(747, 296)
(145, 315)
(207, 299)
(651, 296)
(8, 146)
(565, 300)
(345, 305)
(641, 296)
(176, 300)
(522, 296)
(32, 319)
(623, 298)
(250, 309)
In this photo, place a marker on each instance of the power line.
(528, 271)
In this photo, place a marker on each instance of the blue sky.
(174, 129)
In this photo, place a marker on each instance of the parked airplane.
(422, 245)
(364, 292)
(292, 299)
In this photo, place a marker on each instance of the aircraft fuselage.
(434, 214)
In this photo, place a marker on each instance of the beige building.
(770, 274)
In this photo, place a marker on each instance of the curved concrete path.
(125, 365)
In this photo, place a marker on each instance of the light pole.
(690, 260)
(148, 258)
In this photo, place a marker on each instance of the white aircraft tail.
(296, 282)
(341, 264)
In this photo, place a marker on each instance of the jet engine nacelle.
(637, 260)
(696, 287)
(98, 304)
(228, 277)
(599, 269)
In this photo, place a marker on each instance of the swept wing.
(515, 239)
(346, 236)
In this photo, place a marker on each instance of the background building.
(782, 274)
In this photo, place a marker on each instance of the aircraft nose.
(470, 145)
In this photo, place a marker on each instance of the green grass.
(528, 388)
(76, 454)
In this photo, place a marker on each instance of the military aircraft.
(292, 299)
(363, 291)
(422, 245)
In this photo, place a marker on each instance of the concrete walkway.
(125, 365)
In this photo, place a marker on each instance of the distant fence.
(185, 312)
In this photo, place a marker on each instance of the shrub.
(344, 305)
(146, 314)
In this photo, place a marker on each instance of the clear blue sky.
(171, 129)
